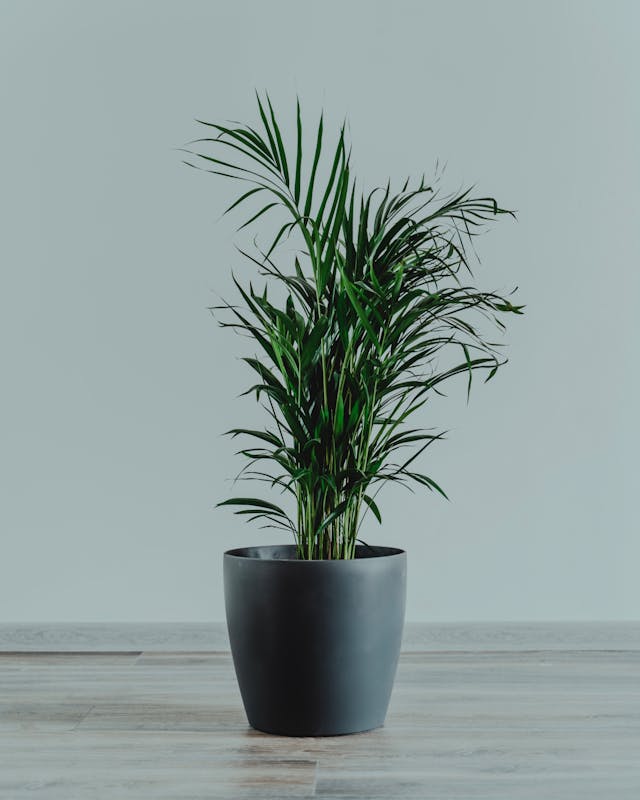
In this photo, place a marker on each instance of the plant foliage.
(370, 304)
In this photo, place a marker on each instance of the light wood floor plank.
(536, 725)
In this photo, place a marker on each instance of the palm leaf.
(360, 330)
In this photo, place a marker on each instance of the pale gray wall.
(116, 382)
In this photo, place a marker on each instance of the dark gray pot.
(315, 644)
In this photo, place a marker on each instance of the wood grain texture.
(536, 725)
(418, 636)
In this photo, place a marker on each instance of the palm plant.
(367, 305)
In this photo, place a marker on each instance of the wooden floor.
(491, 725)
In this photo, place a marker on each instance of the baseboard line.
(418, 636)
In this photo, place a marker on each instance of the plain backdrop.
(117, 384)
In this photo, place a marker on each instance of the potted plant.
(354, 328)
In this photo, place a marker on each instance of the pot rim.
(252, 553)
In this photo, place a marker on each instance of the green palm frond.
(375, 301)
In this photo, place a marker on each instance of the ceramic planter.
(315, 644)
